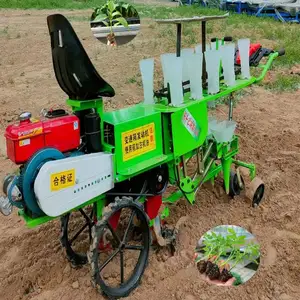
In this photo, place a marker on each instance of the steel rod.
(178, 42)
(203, 38)
(230, 107)
(205, 173)
(207, 151)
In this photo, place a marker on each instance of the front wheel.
(119, 252)
(76, 234)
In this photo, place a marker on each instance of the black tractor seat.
(73, 69)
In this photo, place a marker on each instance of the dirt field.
(32, 265)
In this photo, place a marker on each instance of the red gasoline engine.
(58, 130)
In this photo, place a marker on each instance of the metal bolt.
(159, 178)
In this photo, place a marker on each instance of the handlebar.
(228, 39)
(281, 52)
(268, 64)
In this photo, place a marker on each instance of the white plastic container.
(212, 58)
(164, 58)
(198, 48)
(213, 45)
(147, 70)
(244, 48)
(223, 131)
(227, 57)
(212, 123)
(185, 54)
(194, 64)
(173, 67)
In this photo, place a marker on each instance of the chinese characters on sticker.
(190, 124)
(62, 180)
(138, 141)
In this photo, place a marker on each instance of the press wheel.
(255, 191)
(118, 257)
(234, 186)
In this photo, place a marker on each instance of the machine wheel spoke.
(128, 226)
(113, 233)
(78, 233)
(122, 266)
(109, 260)
(134, 247)
(88, 219)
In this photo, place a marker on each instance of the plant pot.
(122, 34)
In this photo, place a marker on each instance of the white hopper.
(244, 48)
(227, 57)
(185, 54)
(194, 64)
(173, 71)
(212, 58)
(147, 70)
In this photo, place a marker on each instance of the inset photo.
(115, 23)
(227, 255)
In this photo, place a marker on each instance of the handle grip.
(281, 52)
(228, 38)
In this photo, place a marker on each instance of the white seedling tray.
(131, 30)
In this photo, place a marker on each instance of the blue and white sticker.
(75, 125)
(190, 124)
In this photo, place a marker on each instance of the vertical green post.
(99, 208)
(226, 164)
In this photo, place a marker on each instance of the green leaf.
(100, 18)
(231, 230)
(105, 23)
(116, 13)
(122, 21)
(111, 6)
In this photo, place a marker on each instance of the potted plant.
(115, 22)
(233, 247)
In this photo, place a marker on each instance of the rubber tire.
(234, 188)
(142, 263)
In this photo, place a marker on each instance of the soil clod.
(225, 275)
(201, 265)
(214, 272)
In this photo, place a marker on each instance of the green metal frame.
(170, 150)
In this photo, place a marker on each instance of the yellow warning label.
(138, 141)
(62, 180)
(30, 133)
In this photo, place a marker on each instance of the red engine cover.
(27, 137)
(252, 50)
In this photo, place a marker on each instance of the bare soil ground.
(32, 265)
